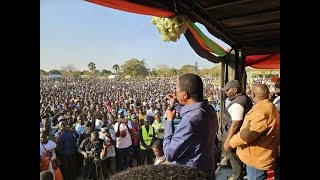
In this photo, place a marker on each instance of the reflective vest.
(146, 136)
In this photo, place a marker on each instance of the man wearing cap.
(234, 114)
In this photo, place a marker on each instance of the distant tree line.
(134, 68)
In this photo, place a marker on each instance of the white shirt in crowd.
(50, 146)
(122, 142)
(150, 112)
(113, 134)
(80, 129)
(99, 124)
(111, 152)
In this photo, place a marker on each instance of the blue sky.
(77, 32)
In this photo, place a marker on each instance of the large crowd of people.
(94, 129)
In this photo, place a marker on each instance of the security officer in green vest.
(146, 136)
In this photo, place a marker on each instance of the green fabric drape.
(214, 47)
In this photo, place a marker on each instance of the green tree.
(54, 71)
(68, 70)
(65, 73)
(43, 72)
(153, 72)
(92, 66)
(163, 70)
(87, 73)
(175, 72)
(105, 72)
(205, 72)
(77, 73)
(135, 68)
(116, 68)
(216, 71)
(188, 69)
(96, 73)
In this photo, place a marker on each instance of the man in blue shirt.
(192, 142)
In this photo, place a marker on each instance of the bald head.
(94, 136)
(261, 91)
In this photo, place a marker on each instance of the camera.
(95, 146)
(94, 152)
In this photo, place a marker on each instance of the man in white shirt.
(123, 142)
(150, 112)
(234, 114)
(98, 121)
(80, 127)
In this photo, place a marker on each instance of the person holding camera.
(93, 150)
(123, 142)
(192, 142)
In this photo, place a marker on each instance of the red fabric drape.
(200, 50)
(125, 5)
(267, 61)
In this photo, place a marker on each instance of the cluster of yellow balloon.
(170, 28)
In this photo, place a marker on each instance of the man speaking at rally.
(192, 142)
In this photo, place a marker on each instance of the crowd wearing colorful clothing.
(94, 129)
